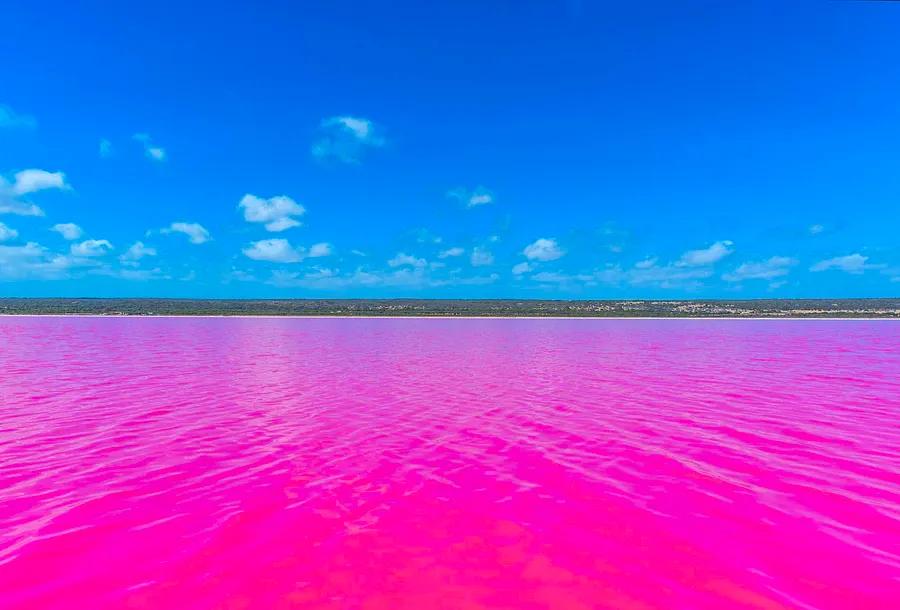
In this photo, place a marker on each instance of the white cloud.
(69, 230)
(33, 180)
(10, 118)
(451, 252)
(106, 149)
(777, 266)
(667, 276)
(816, 229)
(196, 233)
(321, 249)
(471, 199)
(156, 153)
(522, 268)
(647, 263)
(358, 253)
(402, 259)
(91, 248)
(7, 233)
(852, 263)
(346, 139)
(706, 256)
(277, 213)
(26, 182)
(137, 251)
(543, 249)
(407, 278)
(274, 251)
(33, 261)
(481, 257)
(21, 261)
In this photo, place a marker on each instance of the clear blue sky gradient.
(696, 149)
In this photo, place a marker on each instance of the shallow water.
(358, 463)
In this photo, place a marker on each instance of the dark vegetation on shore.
(770, 308)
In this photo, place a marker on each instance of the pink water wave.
(459, 464)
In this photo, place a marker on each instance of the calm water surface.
(415, 464)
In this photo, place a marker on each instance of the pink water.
(415, 464)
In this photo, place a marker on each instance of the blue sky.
(526, 149)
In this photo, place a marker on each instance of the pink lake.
(415, 464)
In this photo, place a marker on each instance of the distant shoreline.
(441, 317)
(768, 309)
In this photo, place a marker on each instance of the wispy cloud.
(276, 213)
(137, 251)
(321, 249)
(777, 266)
(91, 248)
(522, 268)
(403, 278)
(151, 151)
(34, 261)
(26, 182)
(706, 256)
(424, 236)
(7, 233)
(105, 150)
(451, 252)
(69, 230)
(275, 251)
(852, 263)
(543, 249)
(195, 232)
(346, 139)
(470, 199)
(816, 229)
(9, 118)
(402, 259)
(481, 257)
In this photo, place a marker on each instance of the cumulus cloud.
(105, 149)
(521, 268)
(450, 252)
(137, 251)
(706, 256)
(91, 248)
(470, 199)
(21, 261)
(33, 180)
(276, 213)
(346, 139)
(7, 233)
(196, 233)
(402, 259)
(852, 263)
(274, 251)
(321, 249)
(481, 257)
(647, 263)
(155, 153)
(777, 266)
(69, 230)
(33, 261)
(9, 118)
(543, 249)
(26, 182)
